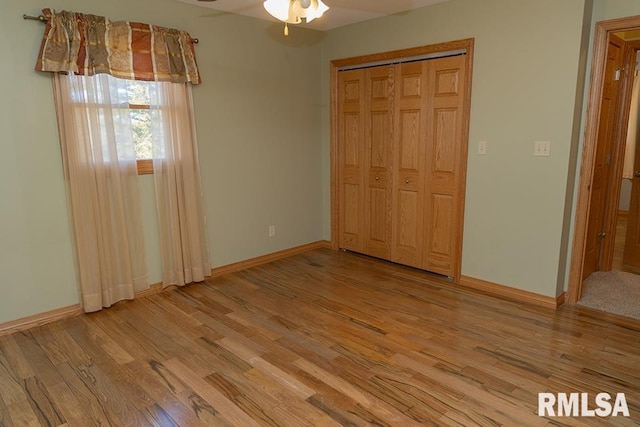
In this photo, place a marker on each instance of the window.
(135, 110)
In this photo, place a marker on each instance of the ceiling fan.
(292, 11)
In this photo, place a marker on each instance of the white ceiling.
(340, 13)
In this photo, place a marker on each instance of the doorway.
(599, 187)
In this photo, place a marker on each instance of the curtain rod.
(43, 18)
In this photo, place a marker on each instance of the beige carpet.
(613, 291)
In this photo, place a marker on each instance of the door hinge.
(607, 159)
(618, 74)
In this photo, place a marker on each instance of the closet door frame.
(390, 56)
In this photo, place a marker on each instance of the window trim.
(145, 166)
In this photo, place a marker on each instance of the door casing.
(603, 31)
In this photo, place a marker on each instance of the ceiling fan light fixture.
(315, 10)
(277, 8)
(294, 11)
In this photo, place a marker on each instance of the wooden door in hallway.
(605, 145)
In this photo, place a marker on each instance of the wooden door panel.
(351, 83)
(351, 154)
(411, 125)
(352, 138)
(378, 148)
(379, 134)
(604, 149)
(352, 212)
(412, 82)
(445, 136)
(439, 250)
(409, 161)
(447, 82)
(407, 241)
(377, 233)
(444, 170)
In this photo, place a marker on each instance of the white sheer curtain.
(100, 169)
(179, 198)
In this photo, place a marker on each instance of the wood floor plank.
(15, 398)
(292, 410)
(36, 357)
(243, 401)
(158, 417)
(42, 403)
(107, 344)
(210, 394)
(58, 346)
(163, 388)
(333, 381)
(232, 335)
(320, 338)
(101, 366)
(502, 409)
(5, 420)
(75, 412)
(133, 332)
(259, 398)
(15, 357)
(104, 397)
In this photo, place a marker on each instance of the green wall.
(258, 124)
(613, 9)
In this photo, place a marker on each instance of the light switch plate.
(542, 148)
(482, 148)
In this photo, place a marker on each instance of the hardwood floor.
(319, 339)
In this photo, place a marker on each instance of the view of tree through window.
(140, 112)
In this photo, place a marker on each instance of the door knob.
(406, 181)
(377, 178)
(636, 174)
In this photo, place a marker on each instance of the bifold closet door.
(365, 149)
(351, 113)
(401, 158)
(445, 168)
(409, 142)
(378, 176)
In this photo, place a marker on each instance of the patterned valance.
(88, 45)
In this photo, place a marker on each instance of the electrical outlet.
(542, 148)
(482, 148)
(272, 231)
